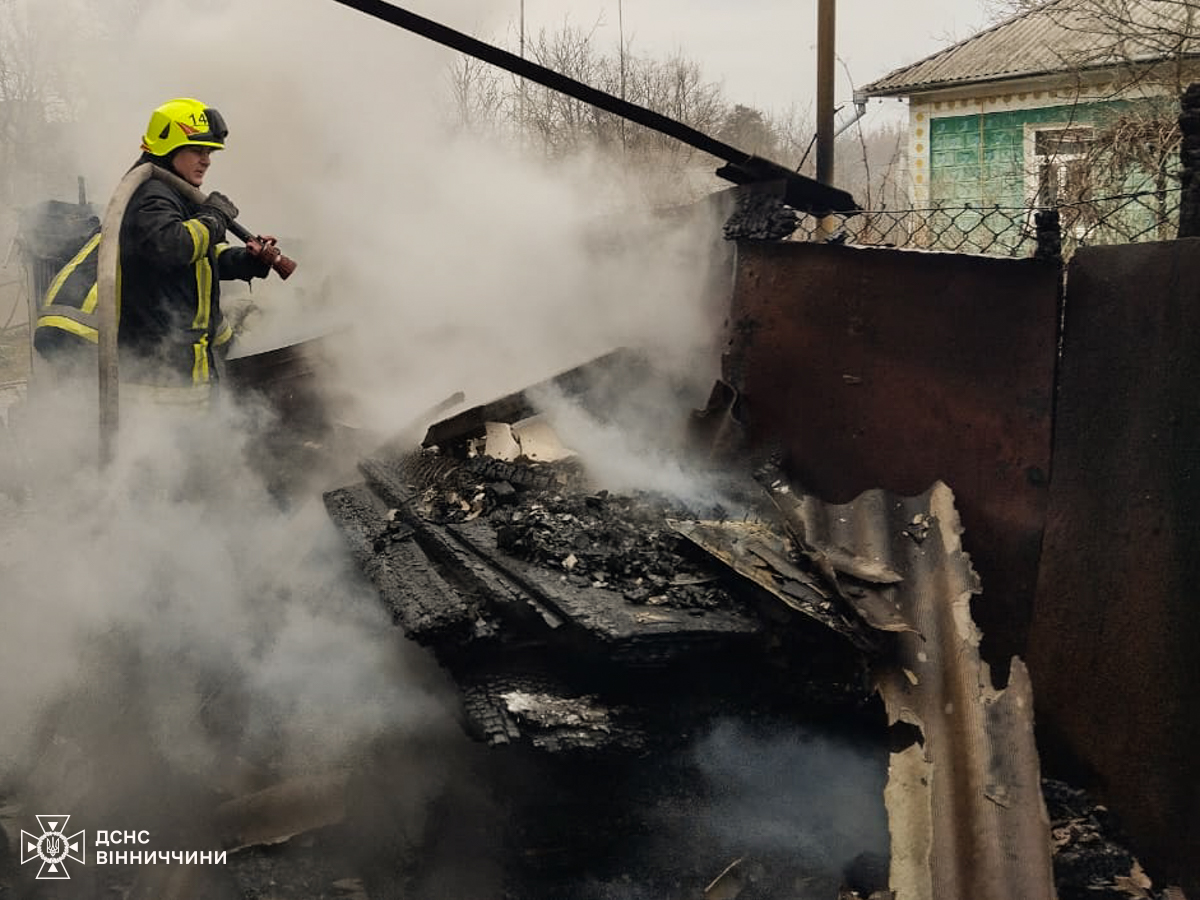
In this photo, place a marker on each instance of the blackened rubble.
(598, 646)
(547, 597)
(598, 635)
(1090, 859)
(760, 214)
(594, 538)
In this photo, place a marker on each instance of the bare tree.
(559, 126)
(27, 93)
(663, 169)
(998, 10)
(42, 70)
(796, 133)
(870, 164)
(675, 87)
(561, 123)
(477, 94)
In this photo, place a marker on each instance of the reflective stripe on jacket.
(70, 302)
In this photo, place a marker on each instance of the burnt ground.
(1090, 861)
(515, 823)
(466, 854)
(626, 819)
(517, 827)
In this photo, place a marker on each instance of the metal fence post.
(1049, 234)
(1189, 158)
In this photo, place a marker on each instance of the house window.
(1060, 155)
(1060, 163)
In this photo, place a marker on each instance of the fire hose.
(106, 285)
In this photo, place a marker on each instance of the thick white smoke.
(174, 585)
(167, 610)
(447, 262)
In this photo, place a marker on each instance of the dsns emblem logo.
(53, 847)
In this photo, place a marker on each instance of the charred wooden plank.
(388, 483)
(424, 604)
(632, 632)
(486, 587)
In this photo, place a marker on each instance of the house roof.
(1058, 36)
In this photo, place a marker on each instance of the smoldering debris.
(564, 578)
(559, 589)
(658, 673)
(596, 642)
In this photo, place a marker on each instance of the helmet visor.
(215, 131)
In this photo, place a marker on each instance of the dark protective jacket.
(168, 292)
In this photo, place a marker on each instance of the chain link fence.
(1004, 230)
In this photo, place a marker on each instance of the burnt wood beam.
(741, 168)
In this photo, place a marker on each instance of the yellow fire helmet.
(183, 122)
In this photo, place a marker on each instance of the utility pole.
(621, 57)
(521, 100)
(826, 57)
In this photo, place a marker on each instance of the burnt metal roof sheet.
(1061, 36)
(965, 806)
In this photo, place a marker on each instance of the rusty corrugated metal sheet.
(895, 369)
(965, 805)
(1062, 36)
(1115, 642)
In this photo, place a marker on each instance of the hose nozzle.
(264, 249)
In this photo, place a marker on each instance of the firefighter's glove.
(217, 212)
(264, 251)
(220, 205)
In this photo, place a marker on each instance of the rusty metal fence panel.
(895, 369)
(1115, 641)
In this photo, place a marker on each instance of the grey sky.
(763, 51)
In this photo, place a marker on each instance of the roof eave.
(1089, 74)
(907, 90)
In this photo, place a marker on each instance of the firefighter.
(172, 257)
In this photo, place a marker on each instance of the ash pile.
(575, 618)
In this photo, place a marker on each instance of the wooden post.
(826, 57)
